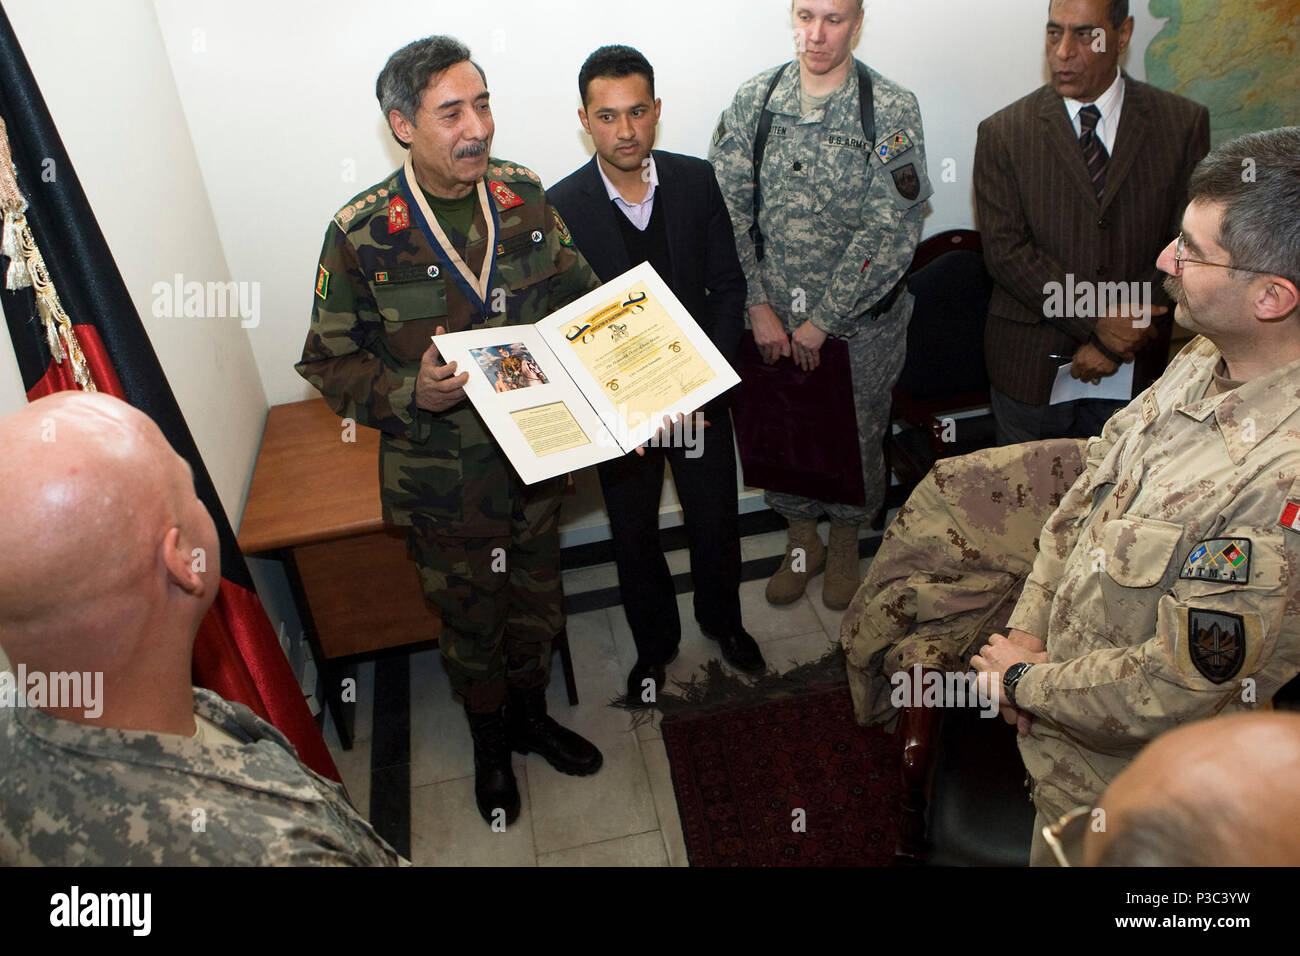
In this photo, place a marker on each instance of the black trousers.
(706, 486)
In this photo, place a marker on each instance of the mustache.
(1174, 288)
(472, 150)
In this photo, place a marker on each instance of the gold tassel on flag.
(27, 268)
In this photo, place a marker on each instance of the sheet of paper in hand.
(593, 380)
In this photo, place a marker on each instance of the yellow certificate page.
(637, 354)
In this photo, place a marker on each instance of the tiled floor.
(625, 814)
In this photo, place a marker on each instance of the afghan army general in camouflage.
(454, 240)
(1163, 589)
(80, 795)
(840, 216)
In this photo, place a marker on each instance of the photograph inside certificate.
(637, 354)
(526, 398)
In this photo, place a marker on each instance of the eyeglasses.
(1180, 256)
(1065, 837)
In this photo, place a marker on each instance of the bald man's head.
(1220, 792)
(101, 523)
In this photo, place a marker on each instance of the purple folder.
(798, 431)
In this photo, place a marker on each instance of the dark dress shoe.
(532, 731)
(739, 650)
(494, 779)
(642, 670)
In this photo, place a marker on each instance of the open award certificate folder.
(591, 381)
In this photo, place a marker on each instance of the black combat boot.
(494, 780)
(531, 730)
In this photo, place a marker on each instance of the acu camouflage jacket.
(76, 795)
(841, 216)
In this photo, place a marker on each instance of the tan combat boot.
(843, 570)
(805, 556)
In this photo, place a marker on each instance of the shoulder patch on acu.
(892, 147)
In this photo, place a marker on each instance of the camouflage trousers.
(951, 565)
(500, 599)
(876, 357)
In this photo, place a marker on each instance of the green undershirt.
(454, 215)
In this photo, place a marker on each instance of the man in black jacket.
(627, 206)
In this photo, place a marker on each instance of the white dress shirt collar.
(1109, 104)
(637, 213)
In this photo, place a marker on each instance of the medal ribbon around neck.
(476, 287)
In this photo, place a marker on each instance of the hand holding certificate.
(592, 381)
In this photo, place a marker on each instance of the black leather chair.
(965, 800)
(944, 372)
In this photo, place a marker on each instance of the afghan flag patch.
(322, 281)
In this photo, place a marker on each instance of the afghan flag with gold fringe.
(73, 325)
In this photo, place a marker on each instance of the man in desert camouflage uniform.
(147, 770)
(840, 217)
(455, 240)
(1163, 590)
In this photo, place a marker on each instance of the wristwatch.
(1012, 677)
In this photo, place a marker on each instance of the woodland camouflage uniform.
(381, 293)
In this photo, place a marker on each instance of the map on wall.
(1239, 59)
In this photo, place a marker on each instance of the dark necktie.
(1094, 150)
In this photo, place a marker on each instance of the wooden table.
(314, 505)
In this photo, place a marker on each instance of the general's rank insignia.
(505, 196)
(1218, 559)
(322, 282)
(1290, 516)
(561, 228)
(1217, 643)
(399, 215)
(890, 148)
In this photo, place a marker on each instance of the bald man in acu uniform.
(108, 564)
(453, 240)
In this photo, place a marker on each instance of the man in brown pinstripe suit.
(1078, 186)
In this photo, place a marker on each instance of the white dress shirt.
(1109, 103)
(638, 213)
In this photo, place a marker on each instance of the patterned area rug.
(742, 775)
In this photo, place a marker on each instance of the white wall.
(280, 101)
(105, 77)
